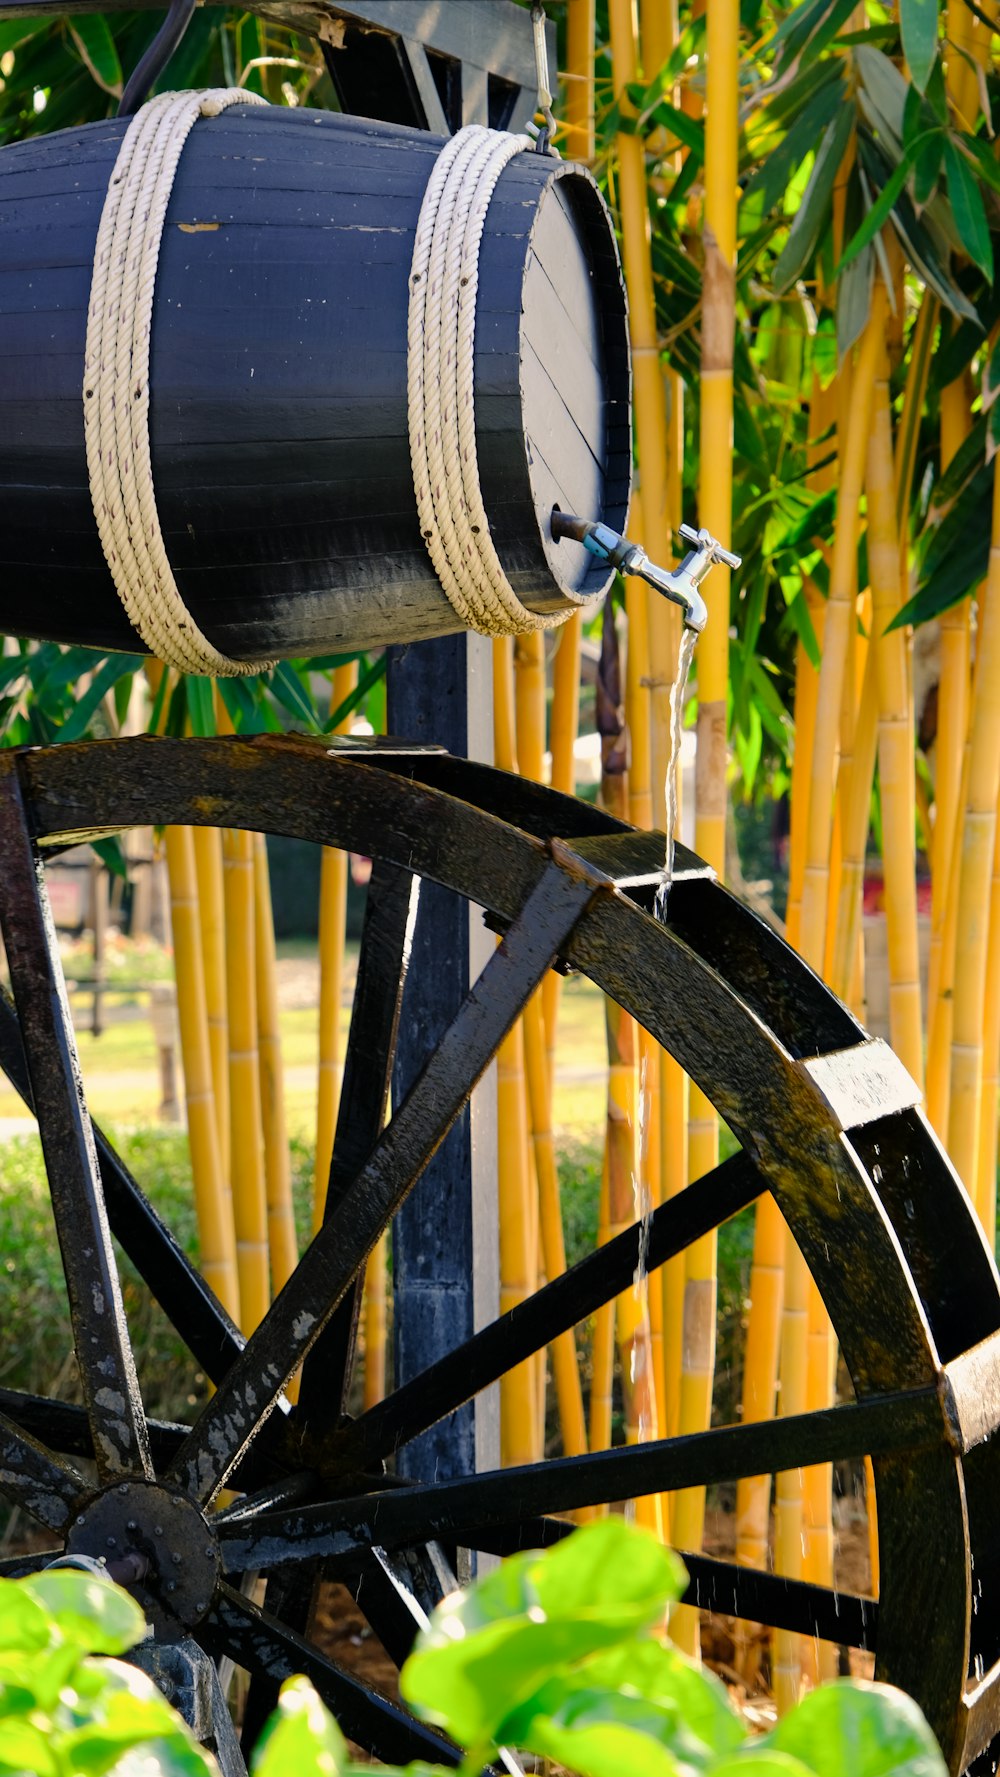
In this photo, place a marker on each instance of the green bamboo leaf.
(854, 297)
(877, 215)
(992, 434)
(200, 704)
(814, 210)
(368, 679)
(776, 171)
(988, 166)
(957, 556)
(97, 51)
(78, 721)
(967, 461)
(918, 20)
(927, 162)
(826, 31)
(885, 90)
(968, 211)
(294, 695)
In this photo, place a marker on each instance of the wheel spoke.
(104, 1355)
(536, 1322)
(30, 1477)
(385, 944)
(820, 1611)
(456, 1511)
(258, 1642)
(188, 1301)
(326, 1271)
(721, 1586)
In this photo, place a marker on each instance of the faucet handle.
(713, 550)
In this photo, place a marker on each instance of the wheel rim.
(828, 1121)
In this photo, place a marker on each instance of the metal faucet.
(680, 586)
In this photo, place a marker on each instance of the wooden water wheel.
(828, 1122)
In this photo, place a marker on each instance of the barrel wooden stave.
(278, 378)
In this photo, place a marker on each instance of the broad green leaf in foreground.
(94, 1615)
(489, 1649)
(862, 1729)
(641, 1708)
(301, 1739)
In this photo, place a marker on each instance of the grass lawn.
(121, 1067)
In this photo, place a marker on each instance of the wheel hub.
(159, 1545)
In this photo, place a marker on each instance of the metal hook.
(543, 137)
(152, 64)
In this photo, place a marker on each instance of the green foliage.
(559, 1655)
(69, 1707)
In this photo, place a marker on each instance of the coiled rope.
(444, 279)
(116, 380)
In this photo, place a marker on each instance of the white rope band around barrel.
(444, 279)
(116, 380)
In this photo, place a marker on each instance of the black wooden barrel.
(278, 383)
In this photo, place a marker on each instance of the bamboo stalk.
(977, 841)
(788, 1515)
(716, 499)
(565, 1366)
(246, 1131)
(895, 741)
(840, 616)
(332, 931)
(529, 730)
(955, 644)
(281, 1238)
(602, 1361)
(518, 1387)
(565, 726)
(215, 1228)
(211, 912)
(986, 1159)
(581, 27)
(375, 1323)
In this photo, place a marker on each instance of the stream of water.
(678, 696)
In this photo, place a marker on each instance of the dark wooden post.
(445, 1240)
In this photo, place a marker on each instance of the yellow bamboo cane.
(602, 1363)
(332, 930)
(581, 27)
(215, 1226)
(955, 645)
(788, 1518)
(246, 1133)
(529, 728)
(375, 1324)
(281, 1239)
(977, 839)
(986, 1159)
(518, 1387)
(716, 498)
(840, 617)
(519, 1392)
(211, 912)
(564, 728)
(895, 743)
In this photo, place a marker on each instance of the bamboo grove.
(808, 202)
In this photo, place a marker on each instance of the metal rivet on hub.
(80, 1520)
(124, 1487)
(112, 1542)
(131, 1525)
(208, 1550)
(157, 1529)
(171, 1585)
(176, 1559)
(201, 1605)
